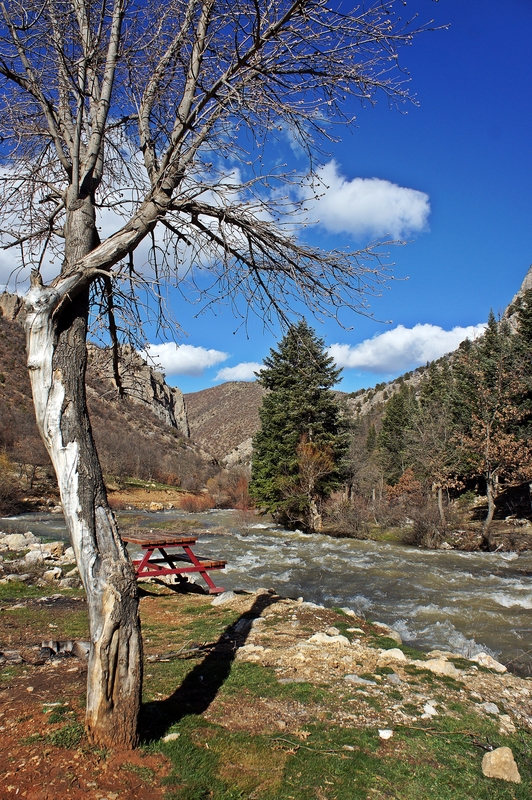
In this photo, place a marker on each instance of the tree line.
(464, 426)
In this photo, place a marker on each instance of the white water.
(465, 602)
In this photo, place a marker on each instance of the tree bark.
(440, 506)
(490, 494)
(56, 332)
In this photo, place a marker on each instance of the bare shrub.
(194, 503)
(229, 489)
(347, 516)
(9, 491)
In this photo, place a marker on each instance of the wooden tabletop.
(160, 539)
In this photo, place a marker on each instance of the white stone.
(16, 541)
(325, 639)
(429, 710)
(506, 726)
(385, 733)
(69, 553)
(439, 667)
(490, 708)
(52, 574)
(500, 764)
(223, 598)
(34, 557)
(391, 655)
(171, 737)
(487, 661)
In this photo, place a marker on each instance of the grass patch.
(145, 773)
(69, 736)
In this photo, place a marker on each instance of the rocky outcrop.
(143, 384)
(11, 306)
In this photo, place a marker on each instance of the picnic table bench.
(175, 557)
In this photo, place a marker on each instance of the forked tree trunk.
(57, 358)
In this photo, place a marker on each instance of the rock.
(429, 711)
(223, 598)
(156, 507)
(490, 708)
(348, 611)
(385, 733)
(16, 541)
(16, 577)
(34, 557)
(387, 631)
(52, 574)
(506, 726)
(385, 656)
(69, 553)
(171, 737)
(325, 639)
(11, 657)
(81, 650)
(394, 679)
(500, 764)
(487, 661)
(55, 549)
(69, 583)
(439, 667)
(242, 625)
(351, 678)
(332, 631)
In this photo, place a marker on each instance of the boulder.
(34, 557)
(223, 598)
(385, 656)
(325, 639)
(55, 549)
(487, 661)
(16, 541)
(490, 708)
(439, 666)
(500, 764)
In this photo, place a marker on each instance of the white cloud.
(402, 348)
(183, 359)
(244, 371)
(368, 207)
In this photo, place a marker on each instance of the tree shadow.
(203, 682)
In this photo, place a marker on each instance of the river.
(464, 602)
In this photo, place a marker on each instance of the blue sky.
(467, 147)
(452, 175)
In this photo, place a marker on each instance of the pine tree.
(393, 436)
(298, 452)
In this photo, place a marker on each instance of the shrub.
(194, 503)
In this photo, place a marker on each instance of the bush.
(194, 503)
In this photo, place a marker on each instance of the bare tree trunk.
(57, 358)
(440, 506)
(315, 517)
(490, 494)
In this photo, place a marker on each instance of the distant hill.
(225, 417)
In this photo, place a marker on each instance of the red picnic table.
(177, 563)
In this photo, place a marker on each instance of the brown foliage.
(194, 503)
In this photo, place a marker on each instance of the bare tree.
(139, 108)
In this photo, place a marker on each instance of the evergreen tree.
(393, 436)
(298, 453)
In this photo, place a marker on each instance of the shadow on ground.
(203, 683)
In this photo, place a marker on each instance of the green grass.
(69, 736)
(337, 763)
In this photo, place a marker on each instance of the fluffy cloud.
(368, 207)
(242, 372)
(183, 359)
(402, 348)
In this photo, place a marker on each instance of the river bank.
(254, 695)
(458, 601)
